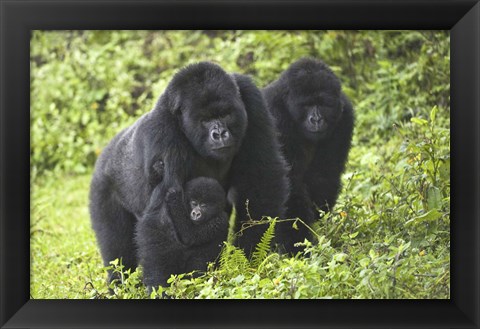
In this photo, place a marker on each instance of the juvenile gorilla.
(206, 123)
(179, 236)
(315, 121)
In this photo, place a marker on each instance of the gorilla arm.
(129, 162)
(324, 180)
(160, 250)
(259, 172)
(180, 217)
(169, 146)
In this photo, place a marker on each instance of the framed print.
(399, 246)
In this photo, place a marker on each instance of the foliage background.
(388, 236)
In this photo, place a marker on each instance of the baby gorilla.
(188, 231)
(315, 121)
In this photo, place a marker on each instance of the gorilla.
(179, 236)
(206, 123)
(315, 121)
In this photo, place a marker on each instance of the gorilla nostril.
(225, 134)
(215, 135)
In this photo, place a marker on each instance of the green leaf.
(418, 121)
(433, 113)
(263, 247)
(238, 279)
(231, 226)
(444, 169)
(295, 226)
(434, 198)
(430, 216)
(364, 262)
(340, 257)
(232, 259)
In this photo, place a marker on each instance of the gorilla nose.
(315, 119)
(196, 214)
(219, 134)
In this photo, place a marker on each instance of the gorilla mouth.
(222, 148)
(316, 129)
(315, 133)
(197, 221)
(222, 152)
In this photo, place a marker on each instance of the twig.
(250, 223)
(397, 256)
(426, 275)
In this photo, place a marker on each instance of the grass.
(64, 255)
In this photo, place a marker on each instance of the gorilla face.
(200, 211)
(206, 199)
(210, 111)
(316, 117)
(313, 98)
(216, 131)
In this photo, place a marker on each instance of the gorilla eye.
(193, 204)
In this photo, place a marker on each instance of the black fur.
(170, 242)
(206, 123)
(315, 121)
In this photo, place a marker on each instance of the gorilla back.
(206, 123)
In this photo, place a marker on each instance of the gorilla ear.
(171, 100)
(248, 92)
(235, 78)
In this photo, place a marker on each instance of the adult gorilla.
(206, 123)
(315, 120)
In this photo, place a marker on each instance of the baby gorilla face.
(206, 199)
(199, 211)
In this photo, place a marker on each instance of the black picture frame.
(19, 17)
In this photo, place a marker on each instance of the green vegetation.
(389, 234)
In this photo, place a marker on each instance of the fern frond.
(270, 259)
(233, 259)
(263, 247)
